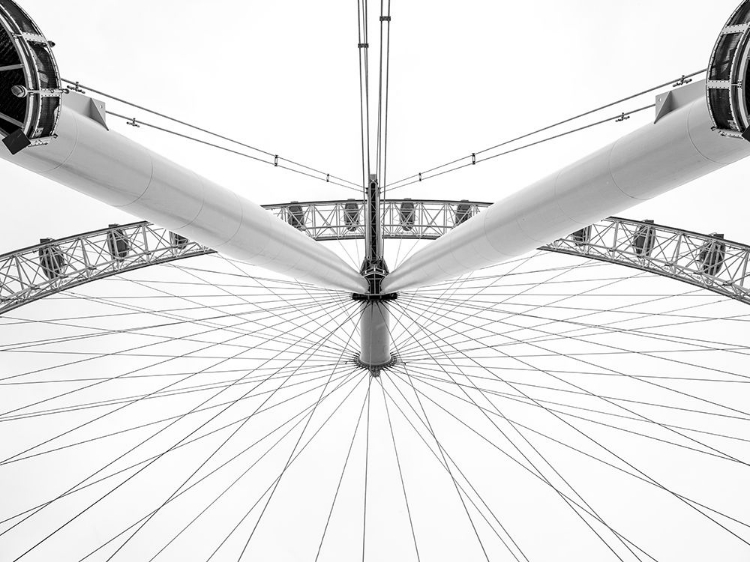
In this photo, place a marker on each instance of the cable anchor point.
(133, 123)
(622, 118)
(682, 81)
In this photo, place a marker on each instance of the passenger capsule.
(296, 216)
(644, 239)
(406, 215)
(52, 259)
(581, 237)
(463, 212)
(178, 241)
(118, 243)
(351, 215)
(711, 256)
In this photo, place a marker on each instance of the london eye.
(294, 362)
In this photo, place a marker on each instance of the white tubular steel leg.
(107, 166)
(680, 147)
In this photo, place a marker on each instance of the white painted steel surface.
(680, 147)
(375, 338)
(115, 170)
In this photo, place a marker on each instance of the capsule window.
(463, 212)
(406, 215)
(178, 241)
(296, 216)
(118, 243)
(722, 62)
(581, 237)
(712, 254)
(52, 259)
(351, 215)
(644, 240)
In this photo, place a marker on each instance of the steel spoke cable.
(300, 415)
(529, 342)
(520, 264)
(400, 472)
(343, 470)
(320, 302)
(166, 394)
(208, 132)
(202, 512)
(601, 330)
(123, 375)
(616, 349)
(427, 374)
(546, 128)
(93, 420)
(186, 443)
(140, 470)
(102, 332)
(611, 402)
(183, 415)
(594, 457)
(217, 327)
(291, 456)
(442, 463)
(281, 333)
(620, 458)
(515, 446)
(202, 464)
(442, 453)
(367, 464)
(580, 417)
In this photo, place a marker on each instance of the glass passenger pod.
(351, 215)
(29, 80)
(406, 215)
(52, 259)
(118, 243)
(644, 239)
(712, 254)
(728, 86)
(463, 212)
(178, 241)
(581, 237)
(295, 216)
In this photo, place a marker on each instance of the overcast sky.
(283, 76)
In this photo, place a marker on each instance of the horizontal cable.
(276, 157)
(275, 163)
(472, 157)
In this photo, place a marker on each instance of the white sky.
(283, 76)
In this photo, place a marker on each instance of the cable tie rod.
(276, 160)
(363, 45)
(385, 18)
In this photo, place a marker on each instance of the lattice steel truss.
(402, 218)
(56, 265)
(706, 261)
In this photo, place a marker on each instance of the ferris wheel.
(374, 378)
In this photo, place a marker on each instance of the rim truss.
(56, 265)
(706, 261)
(402, 218)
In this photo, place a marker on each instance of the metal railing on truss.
(56, 265)
(706, 261)
(402, 218)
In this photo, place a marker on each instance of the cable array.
(263, 156)
(471, 159)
